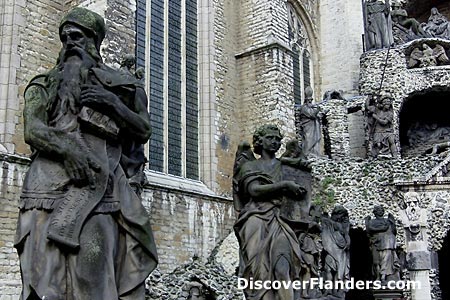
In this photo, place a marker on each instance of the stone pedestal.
(386, 294)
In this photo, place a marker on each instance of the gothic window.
(299, 42)
(167, 31)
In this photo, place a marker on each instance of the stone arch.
(423, 120)
(312, 33)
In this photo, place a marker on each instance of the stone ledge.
(186, 186)
(14, 158)
(271, 43)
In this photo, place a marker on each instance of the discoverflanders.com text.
(322, 284)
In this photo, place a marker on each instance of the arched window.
(167, 30)
(301, 48)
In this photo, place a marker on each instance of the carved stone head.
(378, 211)
(91, 23)
(263, 131)
(412, 206)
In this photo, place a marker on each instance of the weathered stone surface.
(419, 260)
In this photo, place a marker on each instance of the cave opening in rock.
(425, 123)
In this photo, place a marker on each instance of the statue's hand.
(98, 98)
(294, 188)
(80, 168)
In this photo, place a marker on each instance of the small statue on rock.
(378, 24)
(310, 119)
(380, 127)
(405, 29)
(127, 64)
(428, 57)
(438, 25)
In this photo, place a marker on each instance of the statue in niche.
(413, 217)
(381, 133)
(378, 24)
(382, 232)
(428, 138)
(405, 29)
(336, 247)
(310, 118)
(82, 231)
(428, 57)
(438, 25)
(269, 247)
(195, 292)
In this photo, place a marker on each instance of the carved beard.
(74, 64)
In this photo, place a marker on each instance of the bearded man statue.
(83, 232)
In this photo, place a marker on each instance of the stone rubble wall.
(359, 185)
(398, 80)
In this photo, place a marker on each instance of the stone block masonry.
(341, 29)
(266, 88)
(12, 170)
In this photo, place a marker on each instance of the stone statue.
(140, 73)
(301, 214)
(195, 292)
(428, 57)
(310, 117)
(382, 232)
(269, 248)
(82, 231)
(405, 28)
(381, 133)
(128, 63)
(336, 247)
(414, 218)
(378, 24)
(438, 25)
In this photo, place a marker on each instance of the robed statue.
(310, 119)
(378, 24)
(336, 248)
(82, 231)
(382, 232)
(269, 247)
